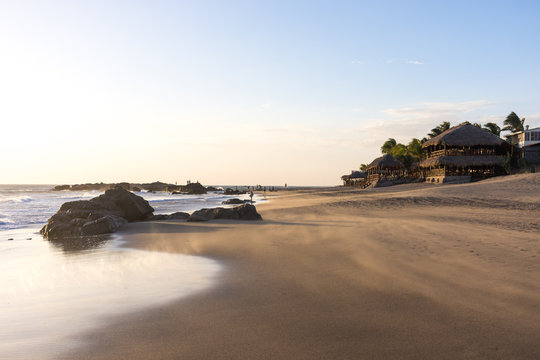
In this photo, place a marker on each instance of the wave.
(17, 199)
(4, 220)
(80, 196)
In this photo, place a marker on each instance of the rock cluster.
(243, 212)
(100, 215)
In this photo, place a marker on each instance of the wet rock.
(175, 216)
(243, 212)
(100, 215)
(233, 202)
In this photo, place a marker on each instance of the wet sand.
(414, 271)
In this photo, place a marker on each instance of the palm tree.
(363, 167)
(492, 128)
(513, 123)
(439, 129)
(388, 145)
(414, 148)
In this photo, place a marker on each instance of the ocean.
(50, 295)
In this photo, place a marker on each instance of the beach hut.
(385, 167)
(463, 153)
(354, 178)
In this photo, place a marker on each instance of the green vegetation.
(439, 129)
(493, 128)
(513, 123)
(412, 152)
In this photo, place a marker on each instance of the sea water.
(50, 292)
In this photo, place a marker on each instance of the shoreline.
(409, 272)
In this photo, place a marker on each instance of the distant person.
(251, 196)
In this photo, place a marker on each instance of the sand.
(415, 271)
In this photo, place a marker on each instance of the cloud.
(438, 109)
(408, 122)
(359, 62)
(415, 62)
(532, 120)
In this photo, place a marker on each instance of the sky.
(249, 92)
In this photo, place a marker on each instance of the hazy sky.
(249, 92)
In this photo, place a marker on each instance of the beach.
(415, 271)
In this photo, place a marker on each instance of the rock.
(123, 185)
(197, 218)
(175, 216)
(178, 216)
(100, 215)
(135, 189)
(211, 188)
(243, 212)
(61, 187)
(103, 225)
(229, 191)
(89, 187)
(233, 202)
(155, 186)
(194, 189)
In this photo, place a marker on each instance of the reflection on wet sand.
(50, 291)
(81, 243)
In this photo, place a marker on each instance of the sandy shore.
(409, 272)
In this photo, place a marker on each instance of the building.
(354, 178)
(529, 143)
(384, 170)
(463, 153)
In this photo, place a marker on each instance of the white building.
(529, 141)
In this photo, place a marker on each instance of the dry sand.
(409, 272)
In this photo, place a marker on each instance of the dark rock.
(100, 215)
(135, 189)
(178, 216)
(61, 187)
(155, 186)
(175, 216)
(243, 212)
(123, 185)
(197, 218)
(211, 188)
(157, 217)
(194, 189)
(229, 191)
(90, 187)
(172, 188)
(233, 202)
(103, 225)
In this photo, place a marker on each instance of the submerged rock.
(100, 215)
(243, 212)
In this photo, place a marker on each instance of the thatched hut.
(385, 167)
(462, 153)
(354, 178)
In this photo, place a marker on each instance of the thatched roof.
(465, 135)
(385, 162)
(355, 174)
(463, 161)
